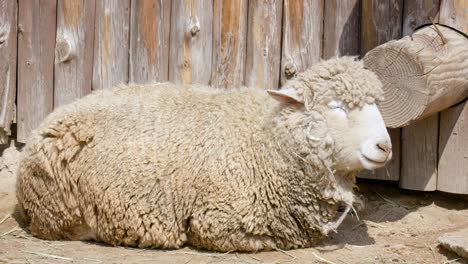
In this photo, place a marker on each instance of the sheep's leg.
(333, 226)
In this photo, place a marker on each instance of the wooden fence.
(54, 51)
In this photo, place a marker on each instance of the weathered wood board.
(191, 41)
(229, 43)
(74, 41)
(264, 44)
(453, 139)
(419, 12)
(149, 40)
(380, 22)
(8, 36)
(302, 36)
(36, 45)
(341, 29)
(111, 43)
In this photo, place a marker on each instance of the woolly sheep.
(165, 165)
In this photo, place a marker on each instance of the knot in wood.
(194, 26)
(4, 34)
(64, 50)
(290, 70)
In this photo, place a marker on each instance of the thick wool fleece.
(166, 165)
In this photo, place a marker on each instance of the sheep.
(164, 165)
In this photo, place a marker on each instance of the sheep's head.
(338, 98)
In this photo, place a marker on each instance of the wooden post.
(149, 40)
(73, 59)
(453, 140)
(8, 11)
(341, 28)
(229, 43)
(191, 41)
(420, 140)
(111, 42)
(302, 36)
(36, 44)
(264, 44)
(381, 22)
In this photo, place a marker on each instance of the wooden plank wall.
(67, 48)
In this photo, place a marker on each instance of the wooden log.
(229, 43)
(381, 22)
(191, 41)
(453, 142)
(149, 40)
(36, 44)
(264, 44)
(420, 139)
(8, 29)
(302, 36)
(73, 61)
(453, 150)
(422, 74)
(341, 28)
(111, 42)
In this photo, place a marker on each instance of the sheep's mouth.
(371, 164)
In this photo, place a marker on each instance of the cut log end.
(421, 74)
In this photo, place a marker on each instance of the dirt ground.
(396, 226)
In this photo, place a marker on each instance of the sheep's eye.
(335, 105)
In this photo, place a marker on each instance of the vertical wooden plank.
(419, 140)
(302, 36)
(453, 142)
(419, 12)
(453, 150)
(380, 22)
(149, 40)
(229, 43)
(74, 41)
(191, 41)
(111, 42)
(36, 43)
(8, 22)
(341, 29)
(264, 44)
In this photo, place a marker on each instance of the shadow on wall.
(349, 43)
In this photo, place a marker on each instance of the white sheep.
(165, 165)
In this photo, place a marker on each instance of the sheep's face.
(359, 134)
(361, 139)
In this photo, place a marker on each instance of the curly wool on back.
(165, 165)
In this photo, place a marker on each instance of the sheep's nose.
(385, 147)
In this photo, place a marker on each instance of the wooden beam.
(302, 36)
(111, 42)
(453, 142)
(149, 40)
(264, 44)
(381, 22)
(341, 28)
(191, 41)
(36, 45)
(8, 29)
(229, 43)
(73, 61)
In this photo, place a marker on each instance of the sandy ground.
(396, 226)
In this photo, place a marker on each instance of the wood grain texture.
(191, 41)
(381, 22)
(341, 29)
(453, 150)
(419, 155)
(73, 60)
(8, 29)
(264, 44)
(419, 12)
(302, 36)
(111, 43)
(453, 141)
(149, 40)
(36, 44)
(229, 43)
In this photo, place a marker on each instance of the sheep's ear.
(287, 96)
